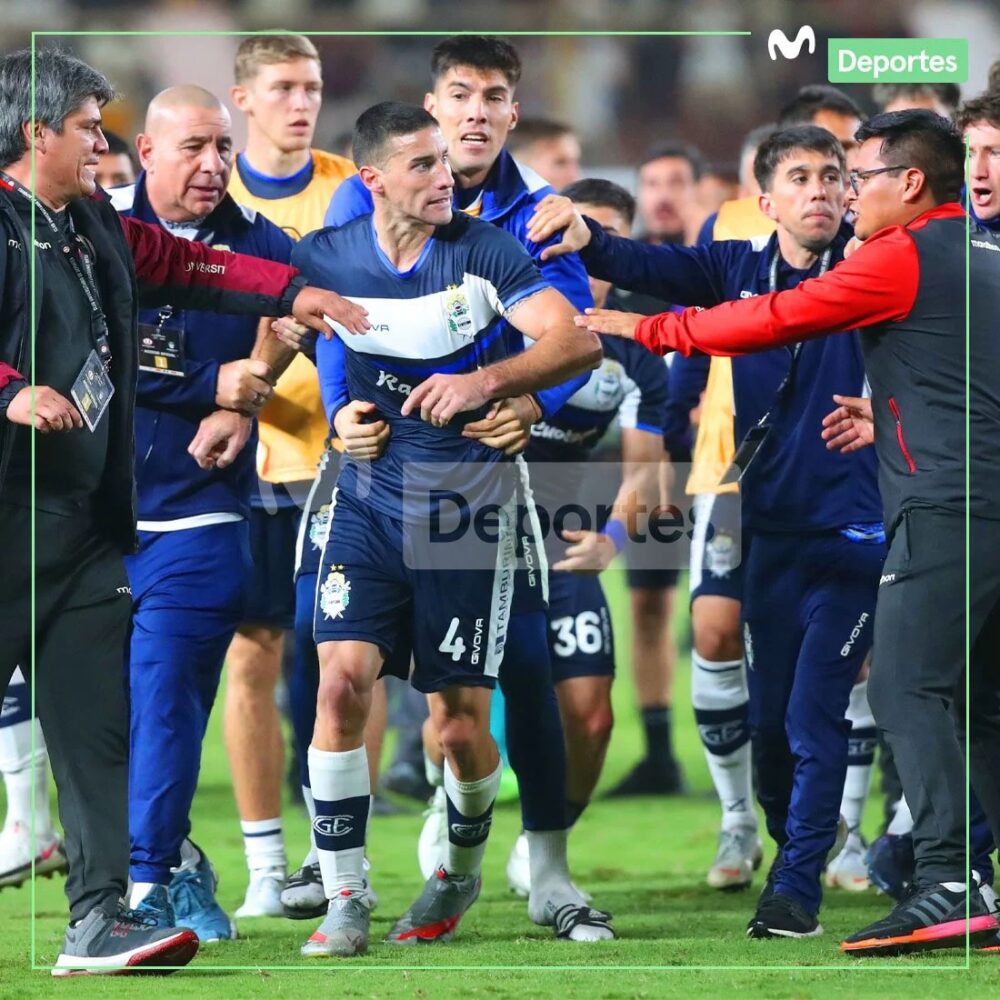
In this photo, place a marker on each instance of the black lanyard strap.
(78, 255)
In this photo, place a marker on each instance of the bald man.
(198, 392)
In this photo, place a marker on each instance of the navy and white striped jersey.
(438, 316)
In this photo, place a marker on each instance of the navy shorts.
(581, 643)
(455, 620)
(717, 547)
(271, 587)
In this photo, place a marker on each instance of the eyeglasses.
(857, 177)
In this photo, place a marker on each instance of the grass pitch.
(643, 859)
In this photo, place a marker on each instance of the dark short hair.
(594, 191)
(919, 138)
(675, 150)
(993, 78)
(531, 130)
(985, 108)
(949, 94)
(779, 145)
(382, 122)
(755, 137)
(117, 146)
(483, 52)
(62, 84)
(816, 97)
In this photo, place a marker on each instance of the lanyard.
(786, 382)
(79, 258)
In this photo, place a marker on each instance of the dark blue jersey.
(795, 483)
(169, 407)
(438, 316)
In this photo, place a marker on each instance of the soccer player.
(806, 628)
(549, 148)
(904, 287)
(437, 282)
(279, 89)
(473, 98)
(189, 575)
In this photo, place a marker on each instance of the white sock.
(24, 770)
(264, 845)
(139, 892)
(470, 815)
(860, 756)
(341, 791)
(720, 698)
(307, 796)
(549, 867)
(902, 821)
(433, 772)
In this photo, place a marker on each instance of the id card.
(746, 453)
(161, 350)
(92, 391)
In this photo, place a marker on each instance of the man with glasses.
(935, 411)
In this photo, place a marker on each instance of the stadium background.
(645, 859)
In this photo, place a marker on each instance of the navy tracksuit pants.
(809, 602)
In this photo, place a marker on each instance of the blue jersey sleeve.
(331, 362)
(688, 377)
(694, 276)
(276, 243)
(645, 404)
(350, 200)
(498, 259)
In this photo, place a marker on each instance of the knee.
(458, 734)
(590, 723)
(341, 699)
(717, 643)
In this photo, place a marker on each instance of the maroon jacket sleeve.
(876, 284)
(8, 375)
(194, 276)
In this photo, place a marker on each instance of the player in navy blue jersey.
(817, 542)
(436, 283)
(634, 390)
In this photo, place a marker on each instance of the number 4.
(453, 642)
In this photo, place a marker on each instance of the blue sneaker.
(155, 908)
(192, 893)
(891, 864)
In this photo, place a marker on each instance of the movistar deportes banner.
(898, 60)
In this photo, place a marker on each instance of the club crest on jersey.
(720, 554)
(459, 313)
(335, 594)
(608, 383)
(319, 526)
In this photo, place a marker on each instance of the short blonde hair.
(264, 50)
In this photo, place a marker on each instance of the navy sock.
(303, 682)
(656, 726)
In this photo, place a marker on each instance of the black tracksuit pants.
(82, 613)
(918, 663)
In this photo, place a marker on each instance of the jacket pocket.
(900, 439)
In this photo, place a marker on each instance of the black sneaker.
(930, 917)
(779, 915)
(126, 942)
(650, 777)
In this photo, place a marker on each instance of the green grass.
(642, 859)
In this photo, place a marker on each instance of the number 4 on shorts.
(453, 642)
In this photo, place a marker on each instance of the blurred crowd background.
(619, 93)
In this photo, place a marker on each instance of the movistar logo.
(778, 41)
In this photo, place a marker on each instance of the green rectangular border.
(327, 968)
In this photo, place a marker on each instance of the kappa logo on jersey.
(319, 526)
(392, 383)
(845, 650)
(458, 312)
(333, 826)
(335, 594)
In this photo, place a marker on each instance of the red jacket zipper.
(911, 465)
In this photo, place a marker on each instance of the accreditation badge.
(92, 391)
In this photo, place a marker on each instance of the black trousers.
(81, 619)
(918, 664)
